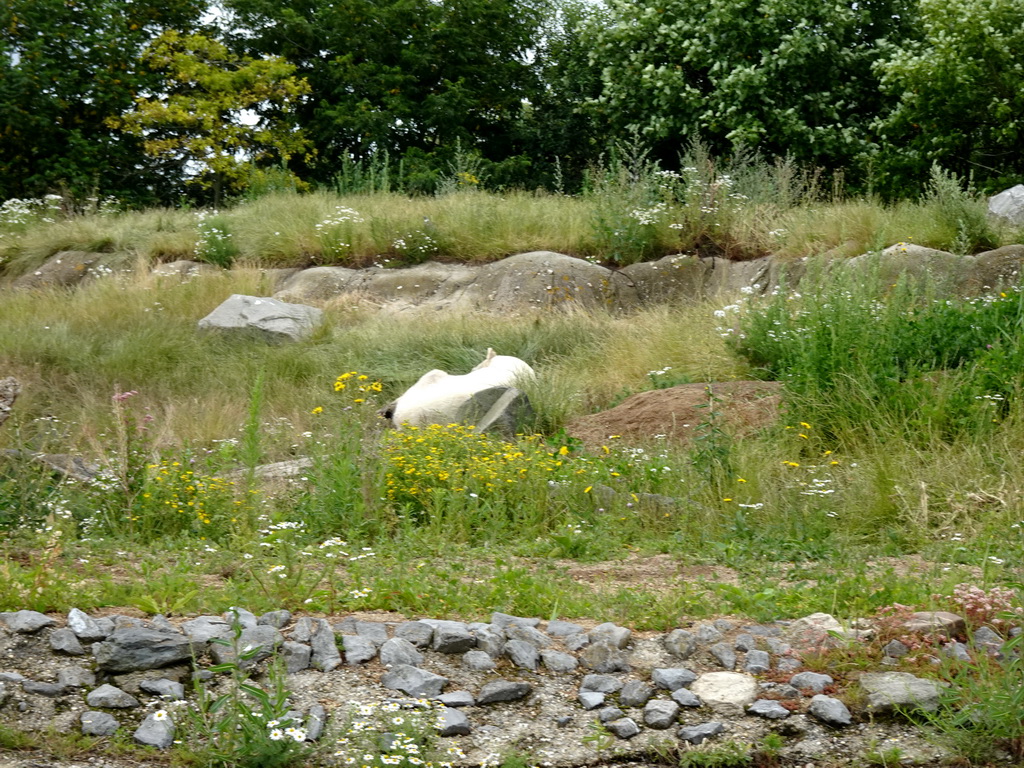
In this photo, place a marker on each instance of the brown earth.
(683, 412)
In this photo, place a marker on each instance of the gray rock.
(131, 649)
(577, 641)
(788, 664)
(202, 629)
(660, 714)
(11, 677)
(64, 641)
(895, 649)
(110, 697)
(304, 628)
(240, 616)
(728, 692)
(416, 632)
(358, 650)
(744, 642)
(399, 650)
(888, 691)
(1008, 205)
(76, 677)
(478, 661)
(958, 651)
(369, 630)
(503, 690)
(708, 634)
(607, 714)
(602, 657)
(698, 734)
(558, 662)
(84, 627)
(453, 723)
(987, 639)
(558, 628)
(768, 708)
(724, 625)
(271, 318)
(26, 622)
(157, 730)
(98, 724)
(623, 728)
(534, 637)
(601, 683)
(504, 620)
(724, 654)
(164, 688)
(316, 720)
(777, 646)
(757, 662)
(451, 636)
(297, 656)
(672, 678)
(810, 681)
(255, 643)
(830, 711)
(590, 699)
(680, 643)
(457, 699)
(50, 690)
(522, 654)
(686, 698)
(635, 693)
(611, 634)
(276, 619)
(413, 681)
(326, 656)
(490, 640)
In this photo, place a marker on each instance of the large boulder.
(267, 317)
(68, 268)
(1008, 205)
(673, 279)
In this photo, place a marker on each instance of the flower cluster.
(395, 734)
(357, 384)
(183, 499)
(980, 607)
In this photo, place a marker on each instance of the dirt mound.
(676, 413)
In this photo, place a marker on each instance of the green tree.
(401, 76)
(199, 117)
(961, 94)
(66, 66)
(780, 76)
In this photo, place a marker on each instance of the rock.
(110, 697)
(590, 699)
(927, 622)
(50, 690)
(26, 622)
(84, 627)
(576, 642)
(698, 734)
(451, 636)
(757, 662)
(326, 656)
(1008, 205)
(75, 677)
(503, 690)
(558, 662)
(266, 317)
(534, 637)
(453, 723)
(602, 683)
(670, 280)
(987, 639)
(276, 619)
(164, 688)
(726, 692)
(413, 681)
(810, 681)
(202, 629)
(63, 640)
(297, 656)
(558, 628)
(255, 643)
(504, 620)
(607, 714)
(769, 709)
(686, 698)
(478, 661)
(958, 651)
(416, 632)
(368, 630)
(635, 693)
(130, 649)
(819, 630)
(623, 728)
(98, 724)
(157, 730)
(680, 643)
(398, 650)
(725, 654)
(602, 657)
(68, 268)
(358, 650)
(830, 711)
(611, 634)
(895, 649)
(316, 720)
(522, 654)
(660, 714)
(457, 699)
(672, 678)
(490, 640)
(887, 691)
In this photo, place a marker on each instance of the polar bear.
(437, 397)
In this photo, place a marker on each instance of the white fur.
(437, 396)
